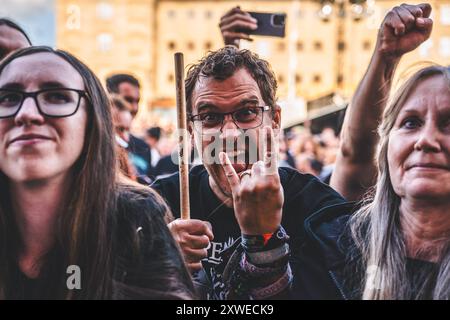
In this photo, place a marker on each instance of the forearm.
(403, 29)
(355, 169)
(359, 136)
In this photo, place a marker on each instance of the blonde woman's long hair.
(375, 226)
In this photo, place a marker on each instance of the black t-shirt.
(165, 166)
(303, 195)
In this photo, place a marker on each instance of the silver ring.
(244, 173)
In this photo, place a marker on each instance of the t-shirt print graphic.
(215, 249)
(215, 264)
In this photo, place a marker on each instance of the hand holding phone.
(236, 25)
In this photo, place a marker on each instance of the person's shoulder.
(334, 215)
(292, 179)
(139, 206)
(138, 142)
(169, 180)
(146, 255)
(328, 228)
(288, 174)
(198, 170)
(195, 173)
(140, 217)
(305, 194)
(167, 161)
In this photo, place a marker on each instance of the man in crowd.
(128, 88)
(12, 37)
(238, 201)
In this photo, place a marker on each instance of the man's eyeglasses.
(55, 103)
(244, 118)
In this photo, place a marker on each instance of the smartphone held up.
(269, 24)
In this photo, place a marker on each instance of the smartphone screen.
(269, 24)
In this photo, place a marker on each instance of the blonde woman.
(403, 29)
(396, 245)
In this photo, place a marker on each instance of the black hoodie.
(328, 265)
(320, 265)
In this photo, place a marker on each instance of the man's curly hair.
(223, 63)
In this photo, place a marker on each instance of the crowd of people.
(275, 214)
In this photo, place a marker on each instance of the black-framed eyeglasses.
(244, 118)
(55, 103)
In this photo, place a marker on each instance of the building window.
(298, 78)
(190, 45)
(208, 15)
(281, 46)
(263, 49)
(105, 11)
(425, 48)
(299, 46)
(367, 45)
(191, 14)
(105, 42)
(445, 14)
(171, 45)
(317, 78)
(208, 45)
(317, 45)
(280, 78)
(171, 14)
(444, 47)
(170, 78)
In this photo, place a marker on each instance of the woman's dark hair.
(102, 216)
(13, 25)
(223, 63)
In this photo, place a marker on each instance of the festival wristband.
(270, 256)
(265, 242)
(258, 271)
(275, 288)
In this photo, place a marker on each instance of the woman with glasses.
(70, 228)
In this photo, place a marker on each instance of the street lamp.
(357, 10)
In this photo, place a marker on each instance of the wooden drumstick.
(183, 146)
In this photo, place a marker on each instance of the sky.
(36, 17)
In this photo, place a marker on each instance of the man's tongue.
(239, 167)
